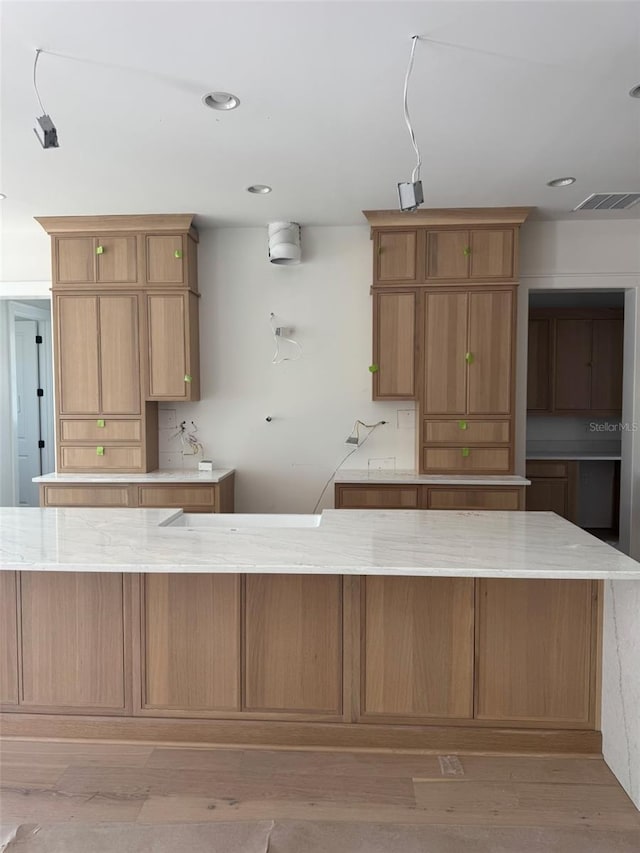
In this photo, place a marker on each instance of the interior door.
(28, 411)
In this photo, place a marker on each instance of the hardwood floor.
(82, 796)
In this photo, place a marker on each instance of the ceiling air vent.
(609, 201)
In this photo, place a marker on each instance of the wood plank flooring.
(85, 796)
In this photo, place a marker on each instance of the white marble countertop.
(359, 542)
(577, 455)
(167, 476)
(348, 476)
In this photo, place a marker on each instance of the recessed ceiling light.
(561, 182)
(635, 92)
(259, 189)
(2, 195)
(221, 101)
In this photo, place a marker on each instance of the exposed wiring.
(35, 85)
(371, 428)
(415, 175)
(188, 439)
(277, 358)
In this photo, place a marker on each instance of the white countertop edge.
(167, 476)
(354, 476)
(585, 456)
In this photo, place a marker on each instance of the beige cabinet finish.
(445, 368)
(116, 259)
(74, 260)
(76, 323)
(465, 431)
(173, 346)
(395, 257)
(100, 429)
(293, 644)
(84, 496)
(417, 647)
(165, 259)
(119, 355)
(471, 459)
(554, 487)
(377, 497)
(490, 336)
(473, 255)
(190, 650)
(73, 641)
(536, 651)
(394, 336)
(428, 497)
(8, 639)
(476, 497)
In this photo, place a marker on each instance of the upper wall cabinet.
(395, 257)
(575, 361)
(473, 255)
(90, 260)
(394, 336)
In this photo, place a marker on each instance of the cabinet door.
(119, 355)
(74, 260)
(492, 255)
(548, 495)
(538, 370)
(572, 375)
(172, 336)
(475, 498)
(534, 650)
(394, 346)
(377, 497)
(8, 639)
(417, 649)
(445, 368)
(77, 342)
(73, 640)
(165, 259)
(116, 259)
(293, 644)
(491, 322)
(109, 496)
(191, 642)
(448, 254)
(606, 371)
(395, 256)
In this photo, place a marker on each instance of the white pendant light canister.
(284, 243)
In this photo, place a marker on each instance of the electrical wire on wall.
(415, 175)
(280, 333)
(354, 434)
(49, 133)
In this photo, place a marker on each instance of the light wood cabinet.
(396, 257)
(108, 259)
(74, 260)
(554, 487)
(374, 496)
(173, 363)
(293, 644)
(417, 647)
(377, 497)
(74, 641)
(470, 459)
(470, 255)
(535, 651)
(8, 639)
(190, 497)
(475, 497)
(394, 336)
(190, 643)
(575, 361)
(171, 259)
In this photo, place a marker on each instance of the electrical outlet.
(171, 460)
(284, 331)
(406, 419)
(167, 419)
(382, 463)
(352, 439)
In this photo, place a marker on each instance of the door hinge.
(41, 443)
(40, 392)
(38, 339)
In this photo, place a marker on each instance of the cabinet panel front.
(182, 496)
(448, 255)
(8, 639)
(487, 460)
(395, 345)
(293, 643)
(465, 431)
(77, 354)
(114, 457)
(167, 346)
(377, 497)
(74, 260)
(117, 260)
(538, 366)
(100, 429)
(191, 649)
(114, 496)
(445, 367)
(492, 254)
(165, 262)
(534, 658)
(417, 647)
(458, 498)
(548, 496)
(606, 372)
(119, 355)
(572, 380)
(73, 640)
(396, 256)
(490, 352)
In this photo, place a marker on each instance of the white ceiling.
(505, 97)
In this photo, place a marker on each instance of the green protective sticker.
(100, 422)
(465, 451)
(99, 451)
(373, 368)
(177, 253)
(187, 377)
(462, 424)
(100, 250)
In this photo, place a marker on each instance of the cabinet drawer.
(112, 430)
(377, 497)
(185, 497)
(114, 458)
(494, 460)
(464, 432)
(499, 499)
(85, 496)
(546, 468)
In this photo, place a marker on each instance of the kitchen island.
(463, 630)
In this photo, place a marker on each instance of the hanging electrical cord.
(415, 175)
(410, 192)
(277, 337)
(50, 134)
(371, 428)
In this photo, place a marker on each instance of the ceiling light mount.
(49, 133)
(635, 92)
(259, 189)
(561, 182)
(410, 192)
(223, 101)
